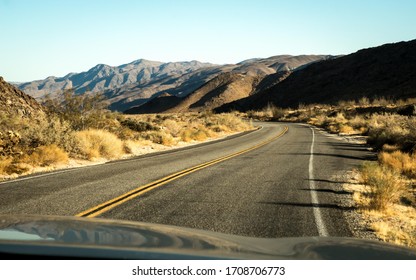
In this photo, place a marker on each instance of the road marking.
(110, 204)
(149, 155)
(34, 177)
(316, 210)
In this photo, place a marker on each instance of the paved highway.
(274, 182)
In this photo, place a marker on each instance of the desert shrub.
(231, 121)
(388, 129)
(357, 122)
(5, 165)
(218, 128)
(346, 103)
(46, 156)
(278, 113)
(160, 137)
(138, 126)
(400, 162)
(95, 143)
(174, 127)
(200, 134)
(344, 128)
(363, 101)
(386, 186)
(47, 132)
(381, 101)
(186, 135)
(82, 111)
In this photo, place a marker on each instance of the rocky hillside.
(133, 84)
(386, 71)
(14, 102)
(227, 83)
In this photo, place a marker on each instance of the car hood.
(71, 237)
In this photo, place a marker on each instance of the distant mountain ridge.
(136, 83)
(103, 77)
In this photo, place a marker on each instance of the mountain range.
(144, 86)
(133, 84)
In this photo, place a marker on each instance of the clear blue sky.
(52, 38)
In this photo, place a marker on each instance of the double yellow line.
(110, 204)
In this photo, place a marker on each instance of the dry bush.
(343, 128)
(186, 135)
(276, 113)
(358, 123)
(47, 132)
(381, 101)
(173, 126)
(401, 162)
(231, 121)
(138, 126)
(363, 101)
(258, 115)
(46, 156)
(5, 164)
(95, 143)
(386, 186)
(218, 128)
(160, 137)
(388, 129)
(201, 134)
(82, 111)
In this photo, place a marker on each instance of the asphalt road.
(282, 189)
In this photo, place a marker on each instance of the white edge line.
(316, 211)
(30, 177)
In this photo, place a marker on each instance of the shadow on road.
(310, 205)
(328, 191)
(366, 157)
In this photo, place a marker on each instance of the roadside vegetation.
(79, 129)
(384, 190)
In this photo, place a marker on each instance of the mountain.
(14, 102)
(386, 71)
(133, 84)
(227, 83)
(103, 78)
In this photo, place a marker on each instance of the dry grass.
(395, 224)
(46, 156)
(5, 164)
(400, 162)
(161, 137)
(386, 186)
(95, 143)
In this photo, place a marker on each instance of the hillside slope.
(385, 71)
(15, 102)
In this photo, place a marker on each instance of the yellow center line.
(110, 204)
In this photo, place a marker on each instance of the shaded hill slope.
(385, 71)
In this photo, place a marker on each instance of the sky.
(53, 38)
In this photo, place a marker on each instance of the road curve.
(283, 188)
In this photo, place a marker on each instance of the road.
(283, 187)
